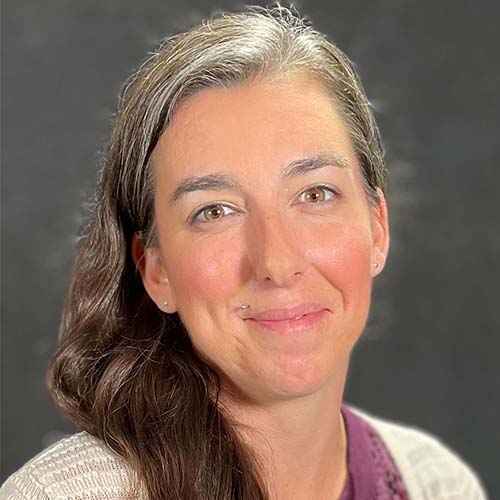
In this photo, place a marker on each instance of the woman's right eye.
(211, 213)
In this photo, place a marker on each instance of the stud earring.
(165, 303)
(375, 265)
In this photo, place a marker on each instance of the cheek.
(204, 278)
(343, 257)
(204, 273)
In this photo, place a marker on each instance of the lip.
(304, 323)
(292, 313)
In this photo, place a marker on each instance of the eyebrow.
(220, 182)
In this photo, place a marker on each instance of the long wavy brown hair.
(124, 371)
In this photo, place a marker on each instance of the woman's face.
(259, 200)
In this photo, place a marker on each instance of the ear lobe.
(380, 234)
(148, 262)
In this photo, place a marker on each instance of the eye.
(319, 193)
(211, 213)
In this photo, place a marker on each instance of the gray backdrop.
(431, 68)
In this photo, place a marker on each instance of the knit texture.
(430, 470)
(81, 467)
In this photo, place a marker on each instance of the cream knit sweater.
(81, 467)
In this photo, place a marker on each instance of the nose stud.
(245, 306)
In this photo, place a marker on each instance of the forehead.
(251, 125)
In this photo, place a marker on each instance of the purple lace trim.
(390, 484)
(373, 475)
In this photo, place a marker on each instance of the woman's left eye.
(318, 194)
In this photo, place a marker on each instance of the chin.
(298, 378)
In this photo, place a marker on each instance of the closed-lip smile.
(283, 314)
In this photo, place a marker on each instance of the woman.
(223, 281)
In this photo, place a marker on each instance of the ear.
(154, 278)
(380, 234)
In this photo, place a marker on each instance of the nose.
(275, 251)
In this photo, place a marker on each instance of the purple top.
(373, 475)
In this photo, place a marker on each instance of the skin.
(274, 247)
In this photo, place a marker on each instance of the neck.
(299, 443)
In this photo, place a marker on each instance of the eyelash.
(330, 189)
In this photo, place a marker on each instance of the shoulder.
(429, 468)
(78, 466)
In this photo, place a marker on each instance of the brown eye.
(212, 213)
(318, 194)
(315, 194)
